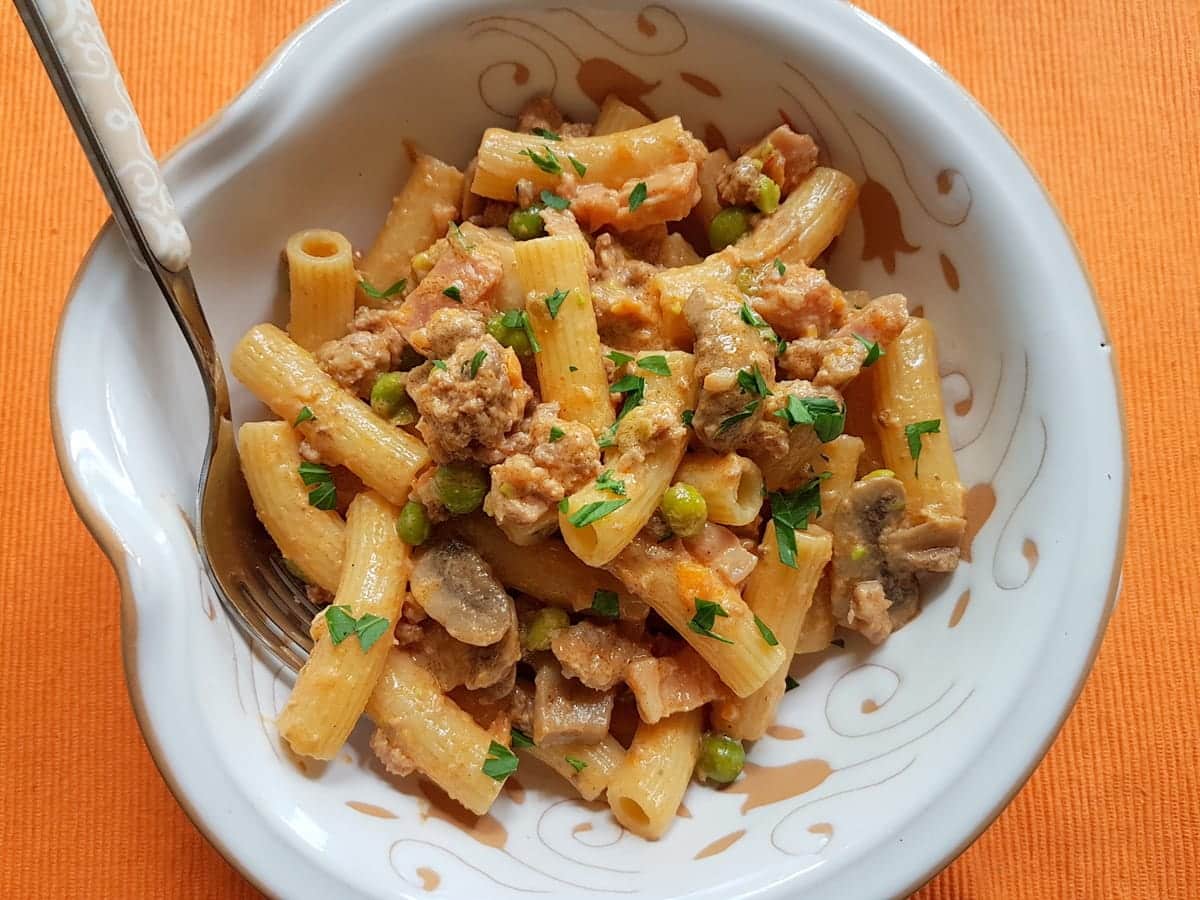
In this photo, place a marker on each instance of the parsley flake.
(637, 196)
(305, 415)
(707, 612)
(477, 361)
(594, 512)
(547, 134)
(618, 358)
(791, 510)
(369, 628)
(730, 422)
(454, 292)
(577, 764)
(606, 603)
(580, 168)
(780, 267)
(753, 319)
(874, 351)
(554, 201)
(548, 163)
(387, 293)
(516, 318)
(322, 493)
(556, 434)
(606, 482)
(564, 505)
(500, 763)
(822, 413)
(520, 739)
(913, 433)
(789, 682)
(555, 301)
(440, 364)
(688, 415)
(767, 634)
(752, 382)
(655, 365)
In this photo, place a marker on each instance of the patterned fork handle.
(76, 55)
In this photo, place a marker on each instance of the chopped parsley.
(572, 368)
(913, 434)
(707, 612)
(305, 415)
(791, 510)
(618, 358)
(594, 512)
(554, 201)
(634, 389)
(516, 318)
(752, 382)
(688, 415)
(368, 627)
(520, 739)
(874, 351)
(500, 763)
(606, 603)
(822, 413)
(322, 493)
(371, 291)
(547, 134)
(548, 163)
(440, 364)
(555, 301)
(780, 267)
(730, 422)
(564, 505)
(606, 482)
(637, 196)
(767, 634)
(477, 361)
(655, 365)
(789, 682)
(454, 292)
(580, 168)
(765, 331)
(556, 434)
(577, 764)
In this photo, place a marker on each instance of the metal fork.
(243, 565)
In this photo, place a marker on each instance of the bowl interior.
(870, 738)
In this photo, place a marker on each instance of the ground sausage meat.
(373, 346)
(727, 347)
(475, 397)
(543, 113)
(597, 655)
(737, 183)
(800, 303)
(837, 359)
(558, 458)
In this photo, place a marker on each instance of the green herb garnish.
(454, 292)
(500, 763)
(688, 415)
(822, 413)
(580, 168)
(556, 434)
(516, 318)
(305, 415)
(555, 301)
(637, 196)
(618, 358)
(655, 365)
(874, 351)
(477, 361)
(752, 382)
(731, 421)
(371, 291)
(368, 627)
(548, 163)
(440, 364)
(547, 134)
(767, 634)
(606, 482)
(554, 201)
(791, 510)
(577, 764)
(913, 433)
(520, 739)
(707, 612)
(606, 603)
(594, 512)
(780, 267)
(323, 494)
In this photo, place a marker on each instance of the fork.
(244, 567)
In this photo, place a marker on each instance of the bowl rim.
(111, 544)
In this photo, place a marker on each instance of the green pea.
(542, 626)
(727, 227)
(460, 487)
(684, 509)
(525, 224)
(767, 197)
(721, 758)
(509, 337)
(413, 524)
(390, 399)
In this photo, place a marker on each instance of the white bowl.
(908, 750)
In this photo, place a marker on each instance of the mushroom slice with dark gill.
(566, 711)
(457, 589)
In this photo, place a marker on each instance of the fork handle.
(71, 43)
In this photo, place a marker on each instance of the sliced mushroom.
(565, 711)
(457, 589)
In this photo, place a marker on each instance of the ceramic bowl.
(885, 762)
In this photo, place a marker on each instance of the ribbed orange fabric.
(1102, 98)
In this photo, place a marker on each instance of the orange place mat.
(1104, 101)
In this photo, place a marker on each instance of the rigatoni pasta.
(569, 414)
(322, 283)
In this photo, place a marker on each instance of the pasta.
(332, 689)
(553, 413)
(322, 281)
(312, 539)
(419, 215)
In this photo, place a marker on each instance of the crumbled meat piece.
(456, 664)
(373, 346)
(450, 327)
(596, 655)
(790, 158)
(492, 214)
(838, 359)
(527, 486)
(726, 412)
(394, 759)
(309, 453)
(576, 129)
(526, 195)
(670, 194)
(876, 556)
(457, 589)
(670, 684)
(522, 707)
(467, 408)
(646, 427)
(626, 316)
(565, 711)
(408, 633)
(779, 448)
(539, 112)
(471, 270)
(617, 264)
(800, 303)
(737, 184)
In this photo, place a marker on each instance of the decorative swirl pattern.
(89, 62)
